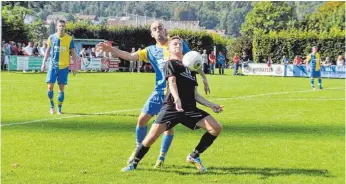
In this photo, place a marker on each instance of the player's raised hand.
(104, 47)
(217, 108)
(178, 105)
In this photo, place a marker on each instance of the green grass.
(280, 132)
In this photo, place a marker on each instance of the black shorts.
(189, 118)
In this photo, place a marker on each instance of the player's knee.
(169, 132)
(218, 128)
(143, 120)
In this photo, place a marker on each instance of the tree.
(38, 31)
(13, 27)
(267, 16)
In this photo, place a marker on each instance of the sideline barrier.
(18, 63)
(332, 71)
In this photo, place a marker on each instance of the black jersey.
(186, 83)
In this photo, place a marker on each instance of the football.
(192, 60)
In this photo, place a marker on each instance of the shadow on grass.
(264, 173)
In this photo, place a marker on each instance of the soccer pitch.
(275, 130)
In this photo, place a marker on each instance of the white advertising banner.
(91, 64)
(264, 69)
(22, 63)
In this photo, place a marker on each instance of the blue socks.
(50, 96)
(141, 132)
(165, 144)
(61, 100)
(312, 82)
(320, 83)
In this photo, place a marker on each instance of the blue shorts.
(315, 74)
(153, 104)
(56, 74)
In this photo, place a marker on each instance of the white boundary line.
(276, 93)
(129, 110)
(67, 117)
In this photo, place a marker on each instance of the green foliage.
(295, 42)
(13, 27)
(327, 16)
(239, 45)
(267, 16)
(128, 37)
(37, 31)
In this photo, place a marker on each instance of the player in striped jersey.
(313, 64)
(60, 45)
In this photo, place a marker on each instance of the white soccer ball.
(192, 60)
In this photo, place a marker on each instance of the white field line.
(129, 110)
(67, 117)
(276, 93)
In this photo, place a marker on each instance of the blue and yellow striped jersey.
(157, 55)
(314, 60)
(60, 50)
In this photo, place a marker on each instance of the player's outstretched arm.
(201, 100)
(205, 81)
(46, 54)
(106, 47)
(172, 82)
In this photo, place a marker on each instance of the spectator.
(14, 48)
(212, 61)
(244, 58)
(83, 53)
(7, 49)
(132, 63)
(297, 60)
(2, 54)
(204, 60)
(269, 61)
(20, 50)
(340, 61)
(327, 62)
(43, 49)
(36, 50)
(284, 60)
(93, 53)
(236, 60)
(221, 62)
(29, 50)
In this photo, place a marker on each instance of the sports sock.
(61, 100)
(165, 144)
(141, 132)
(50, 96)
(140, 153)
(206, 140)
(312, 83)
(320, 82)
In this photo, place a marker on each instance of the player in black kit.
(180, 107)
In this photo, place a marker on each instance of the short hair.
(314, 47)
(60, 21)
(174, 38)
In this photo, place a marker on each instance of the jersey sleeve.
(169, 69)
(143, 55)
(72, 46)
(186, 48)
